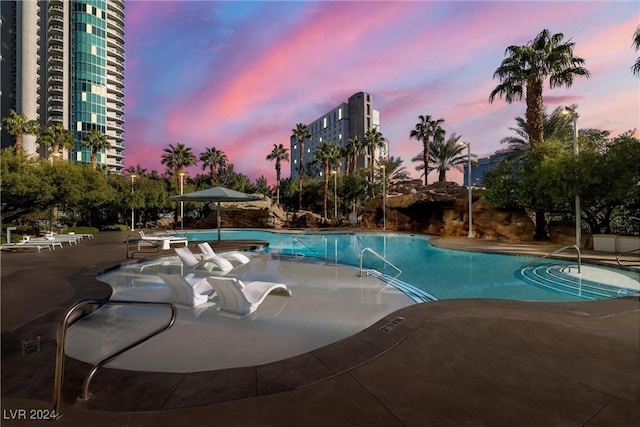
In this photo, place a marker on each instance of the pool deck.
(456, 362)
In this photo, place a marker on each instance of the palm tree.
(557, 126)
(445, 155)
(329, 155)
(525, 69)
(301, 134)
(176, 159)
(373, 139)
(636, 46)
(215, 160)
(18, 125)
(393, 169)
(136, 170)
(279, 154)
(425, 129)
(354, 147)
(97, 141)
(56, 136)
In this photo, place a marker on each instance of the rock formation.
(442, 209)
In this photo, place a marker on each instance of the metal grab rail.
(379, 256)
(293, 246)
(555, 252)
(627, 253)
(62, 334)
(137, 239)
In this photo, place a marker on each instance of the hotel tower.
(63, 63)
(347, 120)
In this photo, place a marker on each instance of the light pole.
(133, 219)
(181, 202)
(384, 197)
(470, 234)
(574, 116)
(335, 196)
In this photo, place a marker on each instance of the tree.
(354, 147)
(301, 134)
(373, 139)
(176, 159)
(56, 136)
(97, 141)
(279, 154)
(137, 170)
(425, 129)
(393, 169)
(215, 160)
(636, 46)
(527, 67)
(328, 154)
(524, 70)
(445, 155)
(18, 125)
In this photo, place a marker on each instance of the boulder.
(442, 209)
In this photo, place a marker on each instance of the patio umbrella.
(215, 194)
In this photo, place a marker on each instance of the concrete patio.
(445, 363)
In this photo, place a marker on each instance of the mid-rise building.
(63, 63)
(341, 123)
(480, 168)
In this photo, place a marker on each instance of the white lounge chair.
(190, 261)
(184, 293)
(164, 242)
(29, 245)
(238, 300)
(208, 252)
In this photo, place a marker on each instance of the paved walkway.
(456, 362)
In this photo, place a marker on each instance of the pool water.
(442, 273)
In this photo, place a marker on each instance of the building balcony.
(114, 89)
(56, 59)
(56, 40)
(55, 78)
(56, 89)
(117, 5)
(56, 119)
(119, 74)
(115, 109)
(55, 99)
(56, 8)
(115, 127)
(56, 29)
(118, 100)
(56, 48)
(116, 53)
(55, 69)
(57, 108)
(114, 62)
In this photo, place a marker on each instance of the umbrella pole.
(218, 210)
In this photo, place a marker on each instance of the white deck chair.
(208, 252)
(238, 300)
(190, 261)
(184, 293)
(164, 242)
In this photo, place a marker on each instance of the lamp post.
(335, 196)
(574, 116)
(384, 197)
(133, 219)
(470, 234)
(181, 202)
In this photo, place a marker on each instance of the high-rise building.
(63, 63)
(345, 121)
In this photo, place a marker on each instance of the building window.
(340, 113)
(324, 122)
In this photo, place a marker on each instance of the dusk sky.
(240, 75)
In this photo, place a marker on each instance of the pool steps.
(555, 279)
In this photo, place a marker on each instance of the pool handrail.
(293, 246)
(362, 252)
(62, 333)
(555, 252)
(620, 261)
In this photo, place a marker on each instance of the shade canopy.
(216, 194)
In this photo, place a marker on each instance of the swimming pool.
(442, 273)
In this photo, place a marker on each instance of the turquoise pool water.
(443, 273)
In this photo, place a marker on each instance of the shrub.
(115, 227)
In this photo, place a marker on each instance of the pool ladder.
(62, 334)
(386, 261)
(293, 248)
(555, 252)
